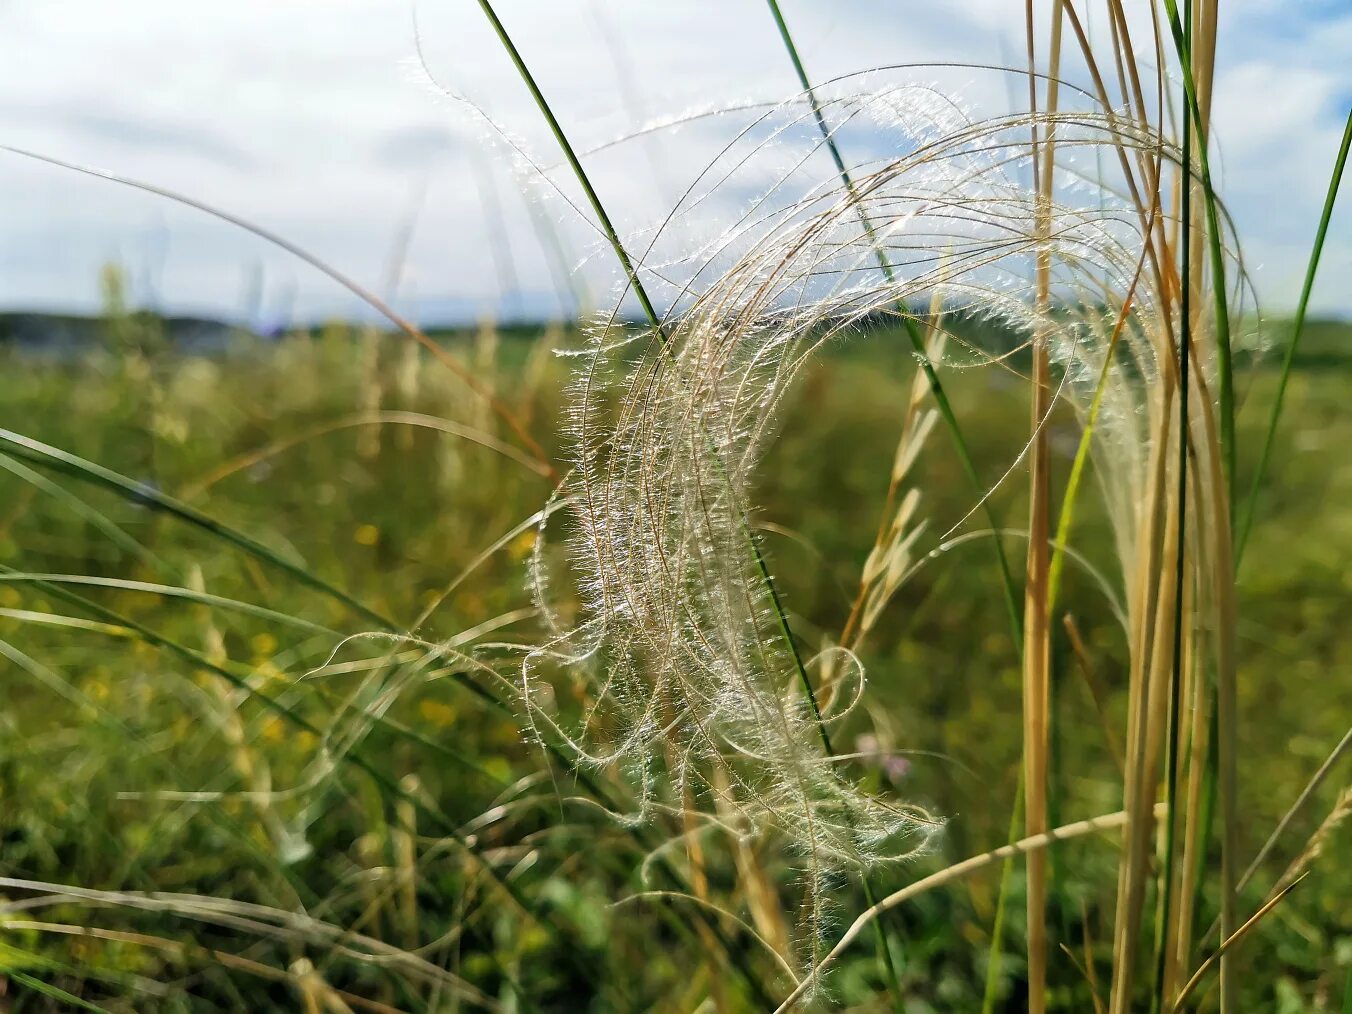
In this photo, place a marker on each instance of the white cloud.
(302, 115)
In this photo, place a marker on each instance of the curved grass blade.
(1321, 233)
(1230, 941)
(114, 534)
(46, 456)
(168, 591)
(950, 874)
(348, 757)
(912, 330)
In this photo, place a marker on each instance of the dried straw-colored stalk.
(1037, 616)
(949, 874)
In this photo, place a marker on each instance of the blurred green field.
(125, 767)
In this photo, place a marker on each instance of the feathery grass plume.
(679, 636)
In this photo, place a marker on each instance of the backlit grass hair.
(686, 647)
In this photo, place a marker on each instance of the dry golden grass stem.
(949, 874)
(368, 849)
(1229, 943)
(889, 560)
(486, 341)
(251, 766)
(1191, 816)
(1216, 584)
(316, 995)
(1216, 529)
(408, 386)
(1086, 972)
(371, 390)
(1152, 610)
(1037, 605)
(1146, 164)
(1154, 607)
(1090, 974)
(759, 891)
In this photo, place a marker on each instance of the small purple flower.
(896, 768)
(872, 753)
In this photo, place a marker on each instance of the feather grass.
(694, 691)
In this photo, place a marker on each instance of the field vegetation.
(929, 598)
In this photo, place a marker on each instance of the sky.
(426, 178)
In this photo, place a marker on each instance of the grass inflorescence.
(654, 662)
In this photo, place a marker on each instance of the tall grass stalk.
(918, 346)
(692, 696)
(1037, 627)
(656, 322)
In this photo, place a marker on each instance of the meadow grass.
(129, 770)
(358, 674)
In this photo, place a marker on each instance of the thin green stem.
(1340, 163)
(1011, 595)
(932, 379)
(1182, 35)
(1180, 577)
(880, 934)
(612, 236)
(650, 311)
(1002, 901)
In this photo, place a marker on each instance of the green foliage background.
(99, 725)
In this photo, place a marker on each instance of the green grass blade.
(936, 390)
(1182, 36)
(350, 757)
(1065, 519)
(112, 532)
(46, 456)
(993, 960)
(1011, 595)
(1321, 233)
(169, 591)
(55, 992)
(561, 138)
